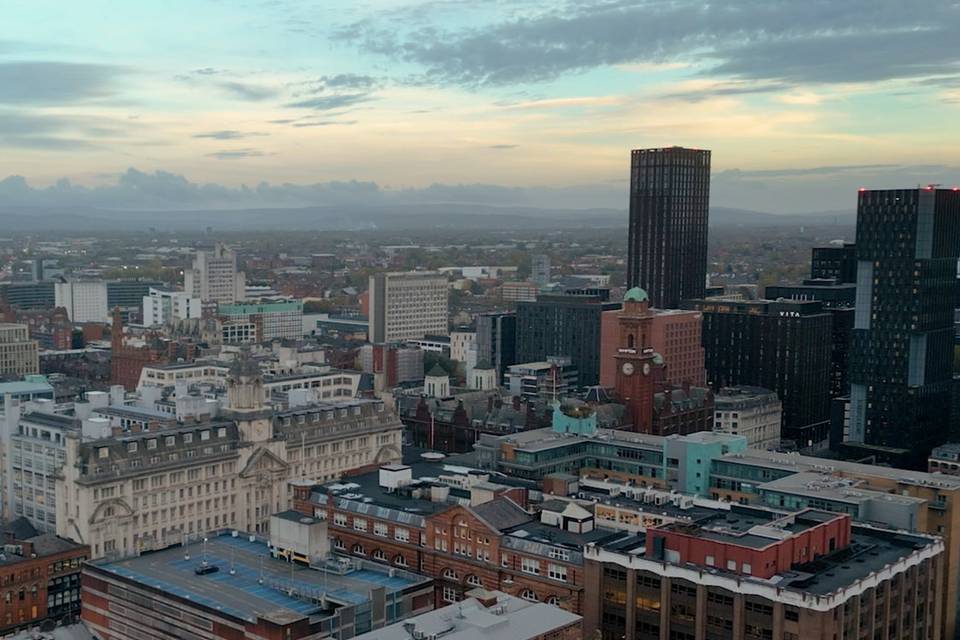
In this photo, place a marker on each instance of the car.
(204, 569)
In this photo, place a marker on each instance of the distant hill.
(367, 217)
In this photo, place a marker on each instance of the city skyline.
(800, 105)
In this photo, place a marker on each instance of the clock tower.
(636, 361)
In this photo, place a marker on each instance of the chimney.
(484, 598)
(116, 432)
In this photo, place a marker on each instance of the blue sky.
(801, 102)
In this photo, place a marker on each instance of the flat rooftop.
(511, 618)
(243, 595)
(817, 485)
(542, 439)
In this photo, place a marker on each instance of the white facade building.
(162, 307)
(408, 305)
(213, 276)
(751, 412)
(84, 301)
(18, 353)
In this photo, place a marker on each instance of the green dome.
(635, 294)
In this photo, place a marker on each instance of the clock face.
(627, 368)
(646, 368)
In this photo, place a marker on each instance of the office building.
(213, 277)
(559, 325)
(84, 301)
(139, 491)
(943, 459)
(487, 615)
(18, 353)
(752, 412)
(252, 593)
(674, 333)
(901, 354)
(408, 305)
(164, 306)
(39, 578)
(391, 365)
(751, 573)
(274, 319)
(838, 263)
(497, 340)
(128, 295)
(540, 270)
(781, 345)
(518, 292)
(463, 347)
(667, 236)
(28, 295)
(547, 379)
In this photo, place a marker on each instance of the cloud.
(233, 154)
(815, 41)
(349, 81)
(328, 103)
(809, 171)
(503, 146)
(55, 83)
(229, 134)
(705, 90)
(248, 91)
(326, 123)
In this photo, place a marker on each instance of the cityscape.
(411, 320)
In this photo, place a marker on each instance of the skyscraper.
(901, 355)
(214, 276)
(667, 243)
(408, 305)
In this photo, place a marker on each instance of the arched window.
(529, 595)
(358, 549)
(338, 544)
(400, 561)
(474, 581)
(554, 600)
(379, 555)
(450, 574)
(629, 341)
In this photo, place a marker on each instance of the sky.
(291, 102)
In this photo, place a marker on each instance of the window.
(554, 600)
(359, 524)
(379, 555)
(152, 444)
(529, 596)
(380, 529)
(400, 561)
(358, 549)
(451, 594)
(338, 544)
(132, 447)
(450, 574)
(340, 519)
(401, 535)
(559, 554)
(732, 565)
(557, 572)
(529, 565)
(746, 568)
(710, 561)
(474, 581)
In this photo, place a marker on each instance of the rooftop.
(260, 585)
(506, 618)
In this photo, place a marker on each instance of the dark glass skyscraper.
(901, 354)
(669, 202)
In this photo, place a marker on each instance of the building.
(391, 365)
(28, 295)
(901, 354)
(518, 292)
(250, 595)
(754, 573)
(674, 333)
(667, 236)
(213, 277)
(838, 299)
(943, 459)
(497, 340)
(145, 490)
(554, 378)
(781, 345)
(463, 347)
(18, 353)
(752, 412)
(84, 301)
(837, 263)
(273, 318)
(487, 615)
(407, 305)
(540, 270)
(560, 325)
(128, 295)
(165, 306)
(39, 577)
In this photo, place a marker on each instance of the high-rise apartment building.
(540, 270)
(901, 356)
(18, 353)
(408, 305)
(782, 345)
(558, 325)
(667, 241)
(837, 263)
(84, 301)
(213, 276)
(497, 340)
